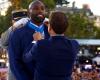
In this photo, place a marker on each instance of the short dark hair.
(58, 22)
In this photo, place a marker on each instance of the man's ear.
(28, 12)
(49, 28)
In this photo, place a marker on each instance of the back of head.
(58, 22)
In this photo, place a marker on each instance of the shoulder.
(42, 43)
(71, 41)
(21, 29)
(75, 45)
(20, 23)
(17, 32)
(74, 42)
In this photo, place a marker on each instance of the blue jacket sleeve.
(31, 54)
(15, 58)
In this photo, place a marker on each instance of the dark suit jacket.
(18, 42)
(54, 58)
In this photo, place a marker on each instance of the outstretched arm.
(31, 54)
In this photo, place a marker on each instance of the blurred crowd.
(86, 72)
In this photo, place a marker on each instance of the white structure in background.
(97, 21)
(4, 4)
(96, 59)
(89, 41)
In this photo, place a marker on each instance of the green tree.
(2, 19)
(97, 33)
(18, 4)
(5, 21)
(15, 4)
(49, 4)
(25, 3)
(80, 27)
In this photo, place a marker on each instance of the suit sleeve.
(32, 54)
(75, 49)
(15, 58)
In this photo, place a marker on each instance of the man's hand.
(46, 22)
(37, 36)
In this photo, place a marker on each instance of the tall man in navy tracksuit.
(21, 38)
(55, 56)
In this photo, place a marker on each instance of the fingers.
(37, 36)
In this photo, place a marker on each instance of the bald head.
(35, 3)
(36, 7)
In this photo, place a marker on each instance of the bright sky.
(93, 4)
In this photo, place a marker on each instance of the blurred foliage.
(20, 4)
(5, 21)
(2, 27)
(49, 4)
(97, 33)
(80, 27)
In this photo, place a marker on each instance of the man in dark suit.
(22, 37)
(55, 56)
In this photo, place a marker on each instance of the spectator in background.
(17, 22)
(19, 19)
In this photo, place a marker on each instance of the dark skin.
(36, 8)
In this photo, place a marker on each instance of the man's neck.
(38, 24)
(56, 34)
